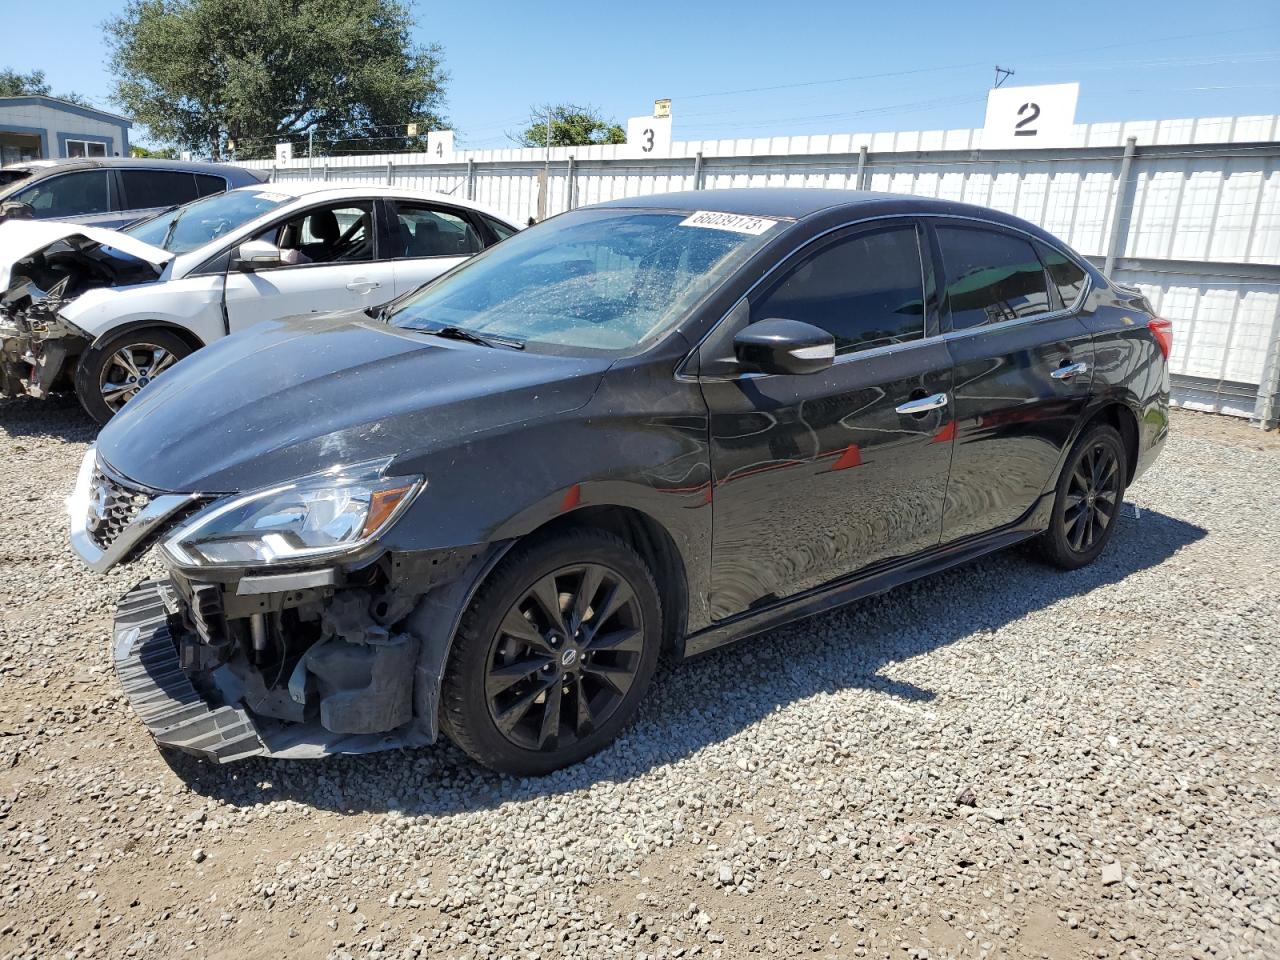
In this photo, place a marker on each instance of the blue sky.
(919, 65)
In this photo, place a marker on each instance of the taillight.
(1162, 330)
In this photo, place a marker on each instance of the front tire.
(111, 373)
(1086, 505)
(554, 654)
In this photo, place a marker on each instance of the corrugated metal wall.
(1195, 223)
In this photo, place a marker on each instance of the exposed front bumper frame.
(181, 717)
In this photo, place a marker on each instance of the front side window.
(204, 221)
(86, 148)
(865, 290)
(421, 230)
(596, 280)
(69, 195)
(334, 234)
(1065, 274)
(144, 189)
(991, 277)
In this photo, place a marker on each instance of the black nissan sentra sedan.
(658, 424)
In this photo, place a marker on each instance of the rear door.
(1023, 363)
(426, 239)
(334, 264)
(820, 476)
(148, 191)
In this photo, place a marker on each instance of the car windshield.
(187, 228)
(605, 280)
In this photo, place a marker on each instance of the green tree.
(571, 126)
(33, 84)
(259, 72)
(164, 153)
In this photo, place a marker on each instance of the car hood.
(20, 239)
(292, 397)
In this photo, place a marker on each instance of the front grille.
(112, 507)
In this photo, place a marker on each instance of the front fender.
(193, 304)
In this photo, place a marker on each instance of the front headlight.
(312, 518)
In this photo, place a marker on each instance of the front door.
(820, 476)
(1023, 367)
(330, 264)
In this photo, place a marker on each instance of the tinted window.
(72, 194)
(157, 188)
(991, 277)
(500, 230)
(207, 186)
(424, 231)
(1064, 274)
(337, 234)
(865, 290)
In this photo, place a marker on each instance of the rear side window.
(991, 277)
(1064, 274)
(144, 189)
(424, 231)
(500, 229)
(207, 185)
(866, 290)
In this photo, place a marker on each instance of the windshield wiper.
(470, 336)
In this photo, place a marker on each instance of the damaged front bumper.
(144, 651)
(35, 346)
(303, 662)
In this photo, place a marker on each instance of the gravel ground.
(1003, 760)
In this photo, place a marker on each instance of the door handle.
(923, 405)
(1069, 371)
(360, 285)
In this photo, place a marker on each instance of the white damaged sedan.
(105, 312)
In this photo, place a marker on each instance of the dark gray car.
(111, 192)
(667, 422)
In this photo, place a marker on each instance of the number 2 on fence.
(1030, 118)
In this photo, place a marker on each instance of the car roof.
(324, 190)
(800, 203)
(38, 167)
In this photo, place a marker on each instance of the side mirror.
(784, 346)
(16, 210)
(256, 255)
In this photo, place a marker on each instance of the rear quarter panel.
(1129, 367)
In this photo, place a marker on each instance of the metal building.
(48, 128)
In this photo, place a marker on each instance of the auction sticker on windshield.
(734, 222)
(277, 197)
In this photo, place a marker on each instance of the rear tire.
(554, 654)
(111, 372)
(1086, 504)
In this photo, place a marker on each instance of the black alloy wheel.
(1087, 504)
(564, 657)
(554, 654)
(1092, 497)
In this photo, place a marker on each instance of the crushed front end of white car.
(43, 268)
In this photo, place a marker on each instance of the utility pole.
(1002, 75)
(311, 142)
(546, 173)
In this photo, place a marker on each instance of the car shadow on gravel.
(712, 698)
(58, 416)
